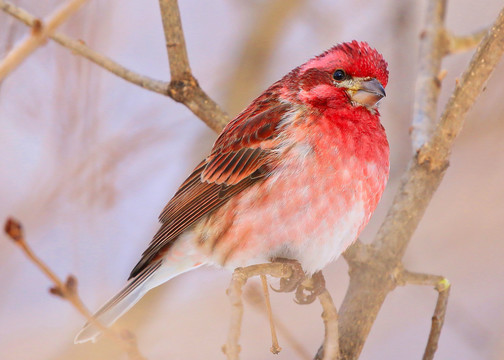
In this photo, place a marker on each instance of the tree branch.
(275, 347)
(292, 278)
(40, 32)
(442, 286)
(175, 41)
(433, 45)
(184, 88)
(484, 61)
(253, 295)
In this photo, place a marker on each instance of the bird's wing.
(242, 155)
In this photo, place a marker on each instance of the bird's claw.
(308, 290)
(294, 280)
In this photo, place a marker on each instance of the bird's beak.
(366, 92)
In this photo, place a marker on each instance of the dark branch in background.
(268, 21)
(371, 281)
(68, 290)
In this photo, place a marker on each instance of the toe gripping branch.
(307, 289)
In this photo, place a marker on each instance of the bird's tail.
(153, 275)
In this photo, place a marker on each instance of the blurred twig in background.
(68, 290)
(267, 25)
(79, 47)
(41, 30)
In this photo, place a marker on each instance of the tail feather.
(182, 257)
(122, 302)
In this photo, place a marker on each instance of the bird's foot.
(292, 282)
(311, 287)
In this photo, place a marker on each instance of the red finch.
(296, 175)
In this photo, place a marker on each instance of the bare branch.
(467, 90)
(442, 286)
(307, 289)
(433, 45)
(254, 297)
(40, 32)
(68, 290)
(330, 348)
(275, 347)
(330, 316)
(175, 42)
(184, 88)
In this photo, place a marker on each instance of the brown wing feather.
(241, 156)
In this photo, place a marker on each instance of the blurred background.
(90, 160)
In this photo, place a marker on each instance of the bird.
(296, 175)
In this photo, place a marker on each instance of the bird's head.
(349, 75)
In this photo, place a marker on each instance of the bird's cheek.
(316, 93)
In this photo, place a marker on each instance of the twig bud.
(13, 229)
(56, 290)
(71, 284)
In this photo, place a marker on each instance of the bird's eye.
(339, 75)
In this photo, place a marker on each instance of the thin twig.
(275, 347)
(330, 347)
(80, 48)
(458, 43)
(253, 295)
(238, 280)
(68, 290)
(442, 286)
(40, 32)
(438, 318)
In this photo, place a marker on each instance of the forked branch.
(182, 88)
(442, 286)
(41, 30)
